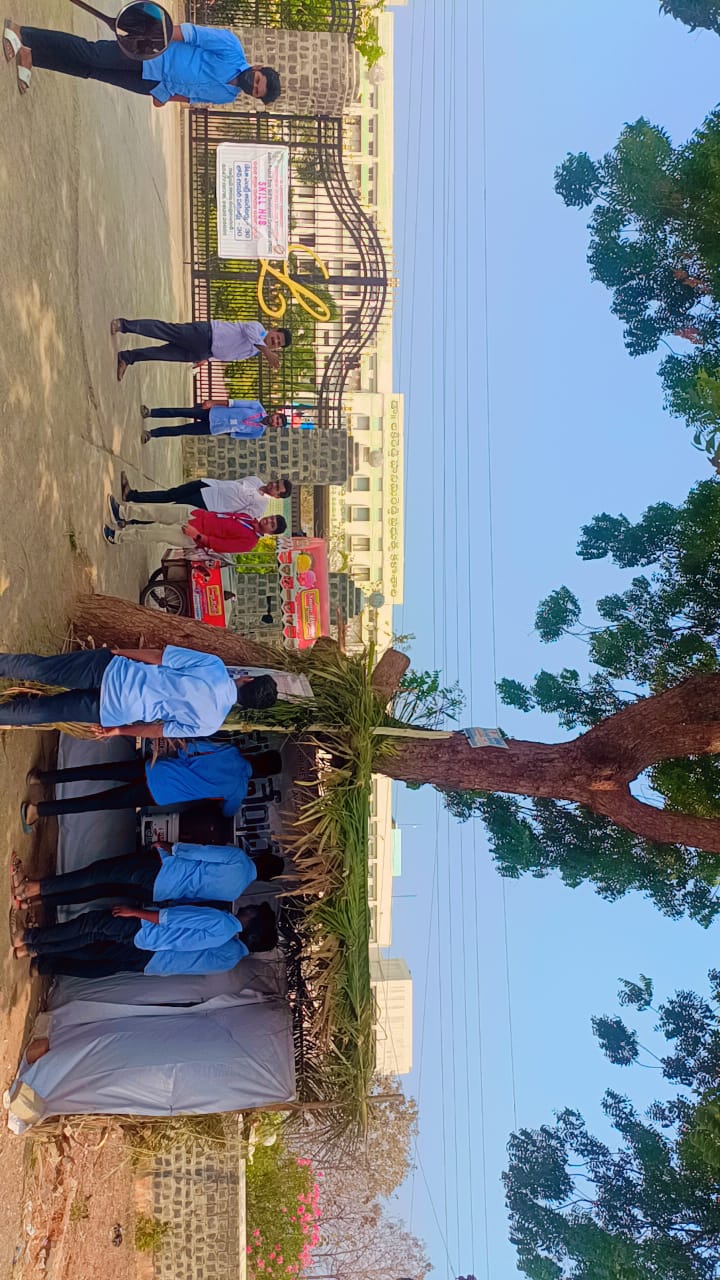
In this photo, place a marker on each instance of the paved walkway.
(91, 208)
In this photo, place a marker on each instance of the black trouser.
(91, 59)
(190, 342)
(92, 945)
(81, 674)
(136, 793)
(200, 425)
(130, 876)
(189, 494)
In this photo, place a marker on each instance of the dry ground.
(92, 198)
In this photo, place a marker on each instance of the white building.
(393, 991)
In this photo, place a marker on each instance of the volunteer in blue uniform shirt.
(179, 872)
(134, 939)
(241, 419)
(200, 771)
(200, 64)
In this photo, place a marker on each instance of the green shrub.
(150, 1233)
(282, 1212)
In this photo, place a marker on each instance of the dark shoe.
(144, 411)
(145, 437)
(125, 489)
(114, 510)
(109, 535)
(33, 776)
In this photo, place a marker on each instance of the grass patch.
(148, 1139)
(150, 1233)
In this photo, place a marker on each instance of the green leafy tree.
(694, 13)
(645, 1207)
(659, 630)
(654, 231)
(619, 1042)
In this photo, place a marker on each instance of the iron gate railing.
(293, 15)
(325, 216)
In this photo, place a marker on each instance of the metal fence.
(293, 15)
(325, 217)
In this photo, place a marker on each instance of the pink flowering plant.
(283, 1213)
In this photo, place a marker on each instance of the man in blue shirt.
(136, 940)
(179, 872)
(199, 771)
(241, 419)
(132, 693)
(200, 64)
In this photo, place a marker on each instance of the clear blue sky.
(576, 427)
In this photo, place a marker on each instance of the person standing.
(200, 770)
(179, 872)
(131, 693)
(200, 64)
(135, 939)
(227, 533)
(250, 495)
(241, 419)
(201, 340)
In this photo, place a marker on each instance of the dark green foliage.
(542, 837)
(694, 13)
(618, 1042)
(644, 1207)
(557, 613)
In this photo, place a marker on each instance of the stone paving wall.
(321, 456)
(201, 1193)
(319, 70)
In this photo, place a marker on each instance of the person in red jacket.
(228, 532)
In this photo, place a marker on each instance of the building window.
(358, 542)
(359, 515)
(361, 422)
(361, 573)
(361, 484)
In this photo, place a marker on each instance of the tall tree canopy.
(662, 628)
(655, 243)
(645, 1206)
(694, 13)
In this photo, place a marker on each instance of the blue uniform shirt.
(199, 66)
(241, 419)
(191, 940)
(202, 771)
(220, 872)
(190, 692)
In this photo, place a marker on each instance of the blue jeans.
(132, 876)
(81, 673)
(95, 944)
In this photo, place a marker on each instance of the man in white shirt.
(201, 340)
(250, 496)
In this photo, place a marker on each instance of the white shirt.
(236, 495)
(235, 339)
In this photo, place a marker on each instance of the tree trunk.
(388, 673)
(107, 620)
(595, 769)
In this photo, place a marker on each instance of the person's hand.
(125, 912)
(99, 731)
(272, 358)
(156, 103)
(207, 404)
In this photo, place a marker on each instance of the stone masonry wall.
(319, 70)
(320, 456)
(202, 1195)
